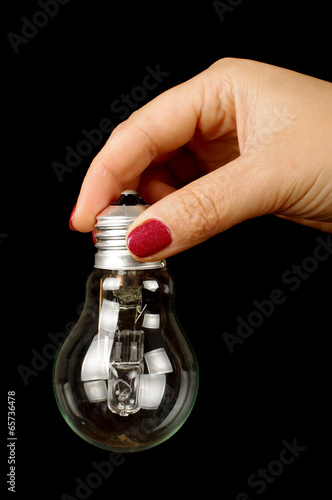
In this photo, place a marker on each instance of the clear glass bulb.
(125, 378)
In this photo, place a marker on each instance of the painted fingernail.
(94, 235)
(149, 238)
(71, 219)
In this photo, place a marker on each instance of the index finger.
(163, 125)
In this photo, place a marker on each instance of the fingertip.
(83, 223)
(149, 238)
(71, 218)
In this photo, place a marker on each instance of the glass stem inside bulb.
(126, 357)
(126, 368)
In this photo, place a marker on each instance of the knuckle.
(198, 211)
(148, 140)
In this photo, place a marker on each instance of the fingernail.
(94, 235)
(149, 238)
(71, 218)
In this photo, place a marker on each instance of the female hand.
(239, 140)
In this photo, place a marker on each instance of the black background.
(275, 386)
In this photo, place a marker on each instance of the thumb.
(235, 192)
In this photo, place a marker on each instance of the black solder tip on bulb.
(129, 198)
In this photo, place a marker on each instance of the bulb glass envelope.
(132, 377)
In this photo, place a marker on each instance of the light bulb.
(125, 378)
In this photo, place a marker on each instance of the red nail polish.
(149, 238)
(93, 235)
(71, 218)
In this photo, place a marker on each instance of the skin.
(237, 141)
